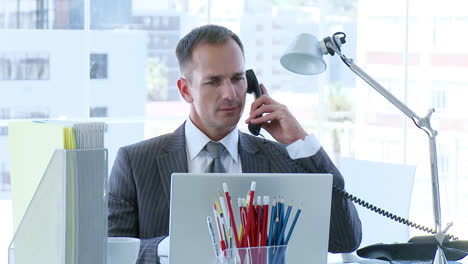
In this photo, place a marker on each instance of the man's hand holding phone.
(276, 119)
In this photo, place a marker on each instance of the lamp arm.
(379, 88)
(435, 186)
(422, 123)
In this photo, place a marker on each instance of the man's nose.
(228, 90)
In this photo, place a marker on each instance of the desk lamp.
(304, 56)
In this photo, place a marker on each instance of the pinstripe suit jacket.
(139, 188)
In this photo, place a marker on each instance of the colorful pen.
(272, 222)
(292, 226)
(284, 224)
(263, 239)
(210, 229)
(231, 214)
(220, 232)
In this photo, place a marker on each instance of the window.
(24, 66)
(98, 112)
(5, 113)
(121, 67)
(98, 69)
(3, 131)
(439, 99)
(443, 160)
(5, 180)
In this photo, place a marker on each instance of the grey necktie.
(215, 150)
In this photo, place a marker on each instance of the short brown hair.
(207, 34)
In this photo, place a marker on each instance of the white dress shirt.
(199, 159)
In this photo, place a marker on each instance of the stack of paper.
(31, 147)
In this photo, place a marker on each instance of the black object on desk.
(420, 248)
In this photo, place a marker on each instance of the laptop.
(192, 199)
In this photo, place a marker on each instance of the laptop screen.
(192, 200)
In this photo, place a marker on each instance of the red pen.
(220, 232)
(231, 214)
(244, 223)
(252, 193)
(266, 201)
(239, 204)
(263, 240)
(258, 226)
(247, 237)
(251, 214)
(244, 213)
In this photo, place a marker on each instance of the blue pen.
(292, 226)
(277, 231)
(279, 222)
(272, 222)
(270, 234)
(285, 223)
(273, 240)
(279, 210)
(281, 216)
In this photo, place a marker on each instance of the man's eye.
(213, 82)
(238, 78)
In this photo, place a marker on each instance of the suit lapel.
(251, 161)
(172, 159)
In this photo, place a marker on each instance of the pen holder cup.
(254, 255)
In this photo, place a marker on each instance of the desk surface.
(349, 259)
(332, 259)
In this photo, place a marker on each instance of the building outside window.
(98, 69)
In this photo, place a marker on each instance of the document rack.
(66, 221)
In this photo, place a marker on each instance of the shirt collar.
(196, 140)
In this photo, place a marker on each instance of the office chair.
(388, 186)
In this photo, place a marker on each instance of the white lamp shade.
(304, 56)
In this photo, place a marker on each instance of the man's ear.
(184, 90)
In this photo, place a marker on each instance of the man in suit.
(213, 82)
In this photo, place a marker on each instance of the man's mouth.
(228, 108)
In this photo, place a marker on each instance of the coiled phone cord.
(385, 213)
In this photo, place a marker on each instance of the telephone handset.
(253, 87)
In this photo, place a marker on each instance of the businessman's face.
(215, 86)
